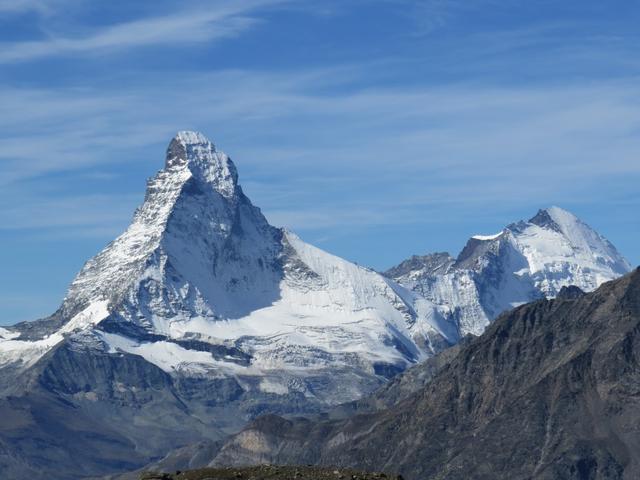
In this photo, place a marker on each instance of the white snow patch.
(168, 356)
(26, 352)
(270, 386)
(7, 334)
(90, 316)
(488, 237)
(534, 260)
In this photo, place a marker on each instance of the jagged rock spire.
(197, 153)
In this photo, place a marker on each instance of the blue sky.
(374, 129)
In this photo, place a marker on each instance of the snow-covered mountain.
(200, 269)
(523, 262)
(202, 315)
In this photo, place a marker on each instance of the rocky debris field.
(267, 472)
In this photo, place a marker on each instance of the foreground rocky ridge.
(270, 472)
(550, 390)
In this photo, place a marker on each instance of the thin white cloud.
(217, 21)
(20, 6)
(95, 212)
(474, 130)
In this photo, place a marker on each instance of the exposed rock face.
(570, 292)
(550, 390)
(422, 267)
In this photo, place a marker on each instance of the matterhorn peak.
(194, 151)
(196, 194)
(200, 271)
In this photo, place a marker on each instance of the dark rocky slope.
(550, 391)
(199, 455)
(270, 472)
(80, 413)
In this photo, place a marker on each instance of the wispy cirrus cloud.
(20, 6)
(464, 143)
(207, 23)
(89, 210)
(467, 146)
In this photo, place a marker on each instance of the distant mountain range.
(202, 316)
